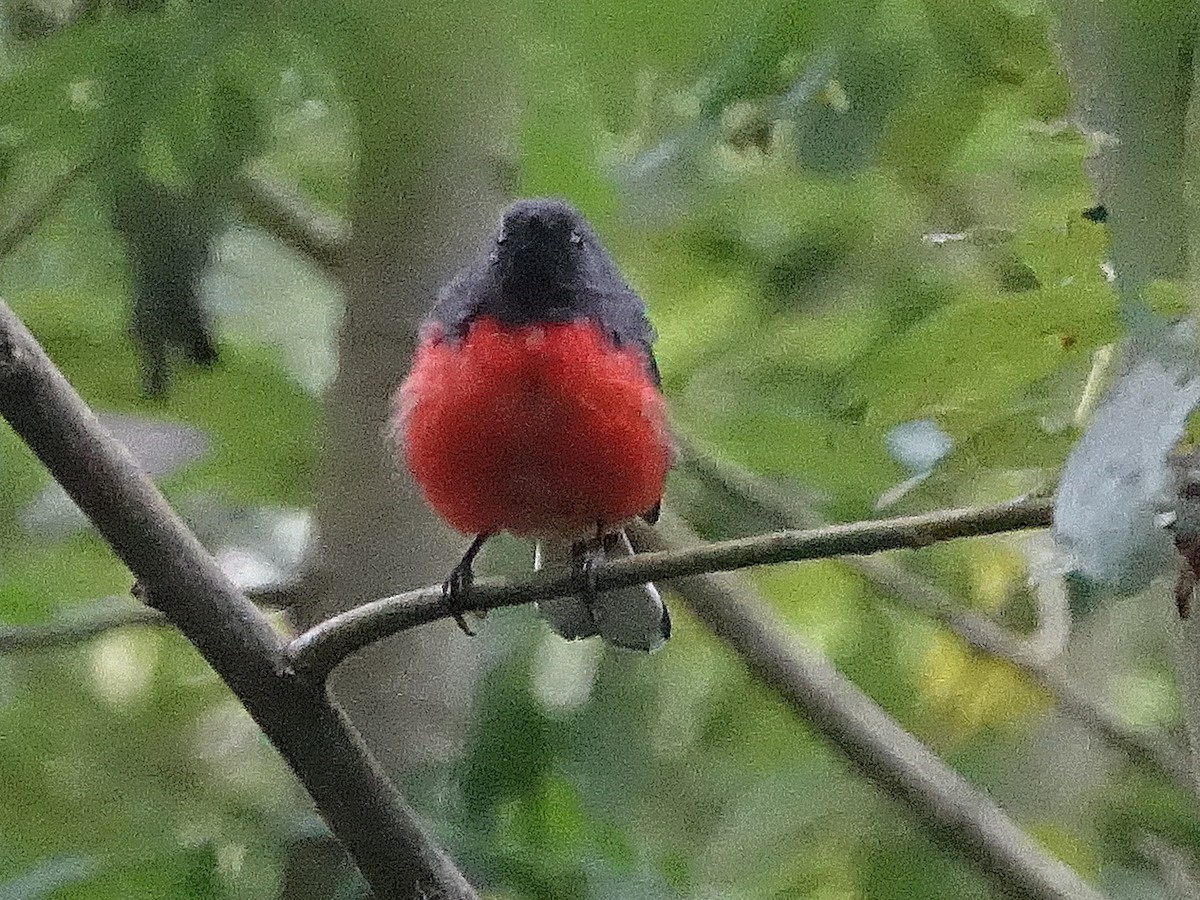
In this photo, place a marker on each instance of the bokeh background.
(871, 239)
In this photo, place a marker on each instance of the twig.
(786, 507)
(283, 213)
(27, 222)
(94, 617)
(960, 814)
(362, 807)
(317, 651)
(76, 630)
(977, 631)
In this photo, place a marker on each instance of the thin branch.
(960, 814)
(979, 632)
(69, 632)
(363, 808)
(289, 218)
(317, 651)
(784, 506)
(95, 617)
(325, 645)
(27, 221)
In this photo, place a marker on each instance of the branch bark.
(319, 650)
(361, 806)
(28, 220)
(75, 630)
(280, 211)
(962, 816)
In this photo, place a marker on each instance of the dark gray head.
(540, 246)
(545, 264)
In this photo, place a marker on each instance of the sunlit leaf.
(971, 360)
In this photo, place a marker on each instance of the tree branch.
(784, 506)
(76, 629)
(271, 205)
(93, 618)
(362, 807)
(281, 212)
(962, 816)
(28, 220)
(975, 630)
(317, 651)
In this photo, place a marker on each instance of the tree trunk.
(424, 198)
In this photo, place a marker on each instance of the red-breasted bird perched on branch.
(534, 407)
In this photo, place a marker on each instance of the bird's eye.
(576, 238)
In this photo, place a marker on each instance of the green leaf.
(755, 66)
(984, 39)
(969, 362)
(616, 45)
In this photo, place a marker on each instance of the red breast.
(542, 429)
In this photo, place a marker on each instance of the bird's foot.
(455, 590)
(587, 557)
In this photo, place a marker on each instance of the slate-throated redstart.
(534, 407)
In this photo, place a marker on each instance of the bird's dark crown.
(540, 242)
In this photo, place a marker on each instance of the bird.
(534, 406)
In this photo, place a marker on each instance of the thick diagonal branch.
(361, 806)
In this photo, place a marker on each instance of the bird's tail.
(635, 617)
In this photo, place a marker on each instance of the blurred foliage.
(845, 216)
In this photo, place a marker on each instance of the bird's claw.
(455, 591)
(588, 558)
